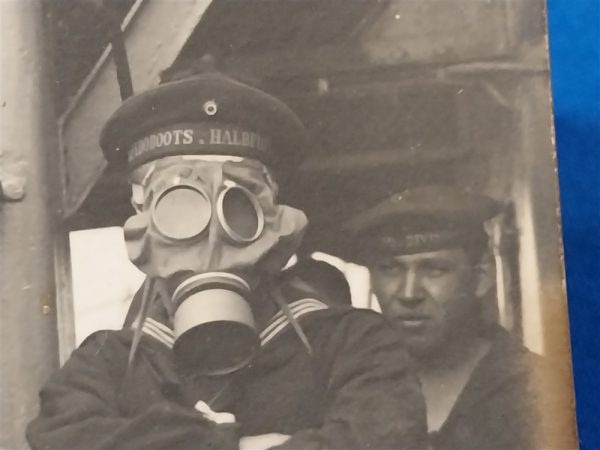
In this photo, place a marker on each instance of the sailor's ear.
(486, 275)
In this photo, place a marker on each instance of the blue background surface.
(574, 32)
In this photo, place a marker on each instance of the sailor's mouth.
(413, 321)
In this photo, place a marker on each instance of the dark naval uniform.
(513, 400)
(343, 381)
(355, 391)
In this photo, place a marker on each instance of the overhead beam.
(154, 33)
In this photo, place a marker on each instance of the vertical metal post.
(29, 208)
(542, 190)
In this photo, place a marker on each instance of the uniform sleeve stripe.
(157, 330)
(280, 317)
(165, 336)
(150, 332)
(298, 309)
(297, 312)
(275, 321)
(279, 322)
(284, 324)
(161, 326)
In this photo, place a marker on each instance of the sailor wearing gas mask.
(220, 355)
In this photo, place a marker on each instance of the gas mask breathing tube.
(206, 232)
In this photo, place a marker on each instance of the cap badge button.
(210, 107)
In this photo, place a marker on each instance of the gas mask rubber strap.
(137, 331)
(159, 288)
(278, 297)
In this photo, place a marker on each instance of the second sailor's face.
(429, 296)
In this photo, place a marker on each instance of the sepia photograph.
(280, 224)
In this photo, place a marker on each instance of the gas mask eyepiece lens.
(240, 214)
(182, 212)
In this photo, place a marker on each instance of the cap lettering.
(188, 136)
(246, 139)
(215, 136)
(226, 137)
(421, 239)
(237, 139)
(177, 134)
(199, 137)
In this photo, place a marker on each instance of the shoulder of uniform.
(348, 325)
(104, 338)
(350, 314)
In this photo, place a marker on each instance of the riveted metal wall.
(28, 213)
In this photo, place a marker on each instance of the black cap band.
(199, 139)
(370, 247)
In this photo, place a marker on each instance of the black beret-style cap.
(204, 114)
(422, 219)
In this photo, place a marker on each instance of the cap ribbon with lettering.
(198, 139)
(418, 242)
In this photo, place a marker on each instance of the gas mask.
(210, 227)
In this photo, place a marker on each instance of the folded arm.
(80, 409)
(374, 398)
